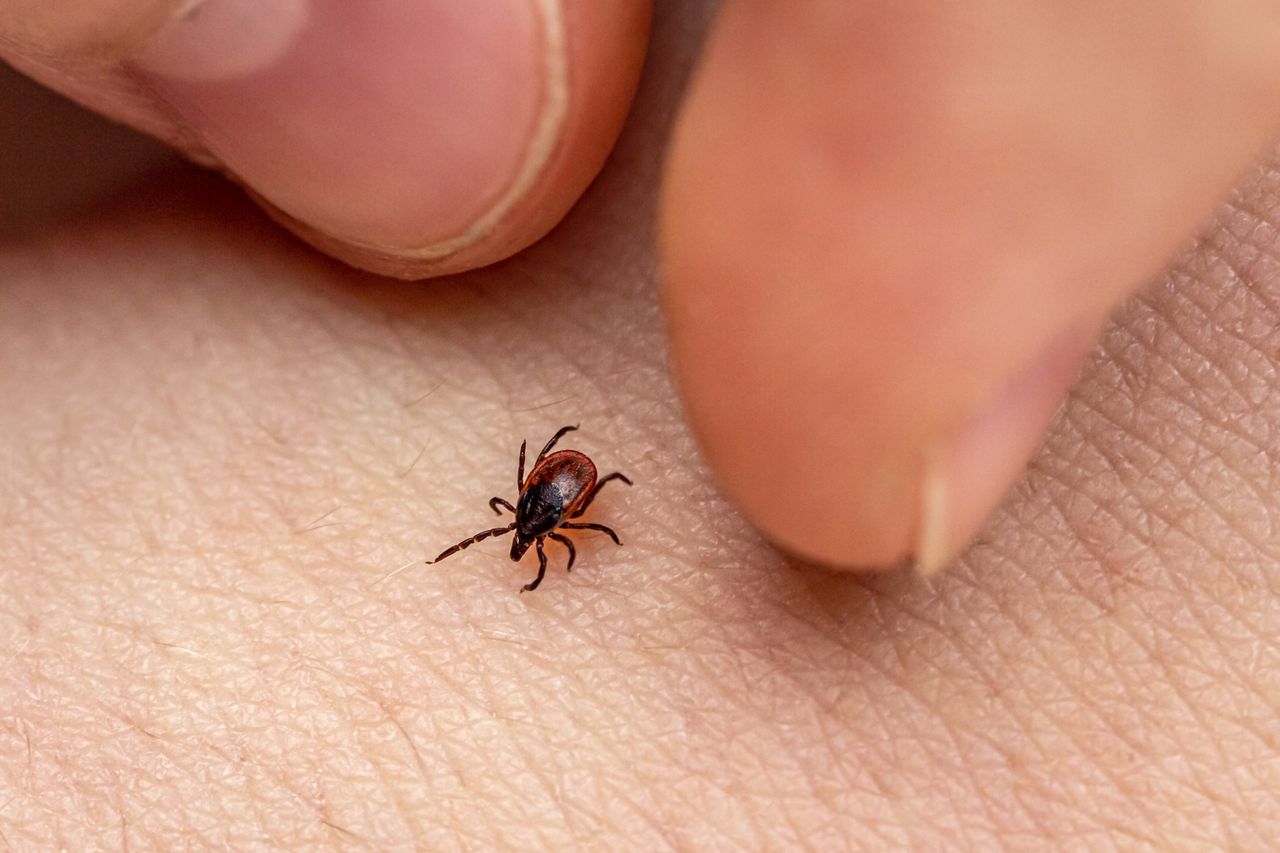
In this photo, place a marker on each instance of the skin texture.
(215, 442)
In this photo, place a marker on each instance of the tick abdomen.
(554, 490)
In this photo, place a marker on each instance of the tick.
(559, 488)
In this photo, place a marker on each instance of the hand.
(898, 226)
(204, 436)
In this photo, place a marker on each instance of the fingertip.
(410, 139)
(889, 235)
(413, 139)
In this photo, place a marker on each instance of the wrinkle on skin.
(181, 659)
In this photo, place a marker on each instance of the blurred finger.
(891, 230)
(412, 138)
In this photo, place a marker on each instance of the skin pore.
(215, 442)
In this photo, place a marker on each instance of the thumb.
(414, 137)
(891, 230)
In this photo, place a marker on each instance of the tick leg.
(568, 543)
(520, 470)
(542, 570)
(552, 443)
(467, 543)
(587, 525)
(600, 485)
(494, 503)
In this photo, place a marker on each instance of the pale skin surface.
(215, 442)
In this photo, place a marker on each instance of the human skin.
(899, 224)
(215, 443)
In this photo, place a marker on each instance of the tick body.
(559, 488)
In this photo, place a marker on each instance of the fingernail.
(408, 127)
(967, 472)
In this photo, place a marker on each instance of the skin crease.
(215, 442)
